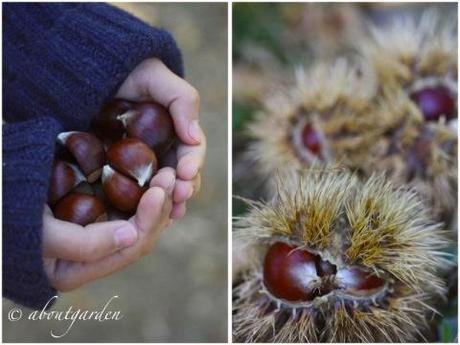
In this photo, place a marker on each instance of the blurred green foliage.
(255, 23)
(448, 325)
(243, 113)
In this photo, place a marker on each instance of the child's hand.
(75, 255)
(152, 80)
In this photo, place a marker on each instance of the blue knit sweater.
(61, 62)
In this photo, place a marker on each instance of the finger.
(70, 241)
(165, 178)
(190, 160)
(153, 78)
(150, 214)
(151, 211)
(69, 275)
(178, 211)
(182, 191)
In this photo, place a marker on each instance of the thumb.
(73, 242)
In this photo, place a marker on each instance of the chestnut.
(87, 150)
(169, 158)
(311, 139)
(64, 177)
(106, 125)
(81, 209)
(133, 158)
(123, 192)
(290, 273)
(357, 279)
(435, 102)
(151, 123)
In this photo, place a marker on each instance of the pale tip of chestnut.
(62, 137)
(124, 118)
(143, 174)
(107, 173)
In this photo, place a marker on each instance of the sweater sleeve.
(28, 149)
(68, 59)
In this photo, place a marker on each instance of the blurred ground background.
(178, 293)
(269, 41)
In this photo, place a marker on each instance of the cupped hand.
(75, 255)
(151, 80)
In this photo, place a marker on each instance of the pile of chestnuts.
(102, 174)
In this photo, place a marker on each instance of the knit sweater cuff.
(28, 149)
(88, 52)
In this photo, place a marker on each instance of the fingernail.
(125, 236)
(194, 131)
(189, 169)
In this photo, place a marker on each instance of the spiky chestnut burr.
(416, 65)
(321, 119)
(400, 116)
(419, 56)
(334, 259)
(415, 152)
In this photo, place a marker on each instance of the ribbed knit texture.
(28, 149)
(61, 63)
(66, 59)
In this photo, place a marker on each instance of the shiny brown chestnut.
(133, 158)
(64, 177)
(80, 208)
(151, 123)
(106, 125)
(311, 139)
(356, 279)
(87, 150)
(435, 102)
(123, 192)
(290, 273)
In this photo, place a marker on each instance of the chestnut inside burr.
(307, 140)
(311, 139)
(297, 275)
(435, 102)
